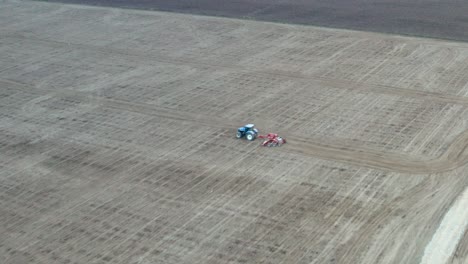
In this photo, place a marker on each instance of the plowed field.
(117, 141)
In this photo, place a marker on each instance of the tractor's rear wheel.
(250, 137)
(238, 135)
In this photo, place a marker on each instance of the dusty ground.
(117, 141)
(440, 19)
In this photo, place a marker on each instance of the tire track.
(337, 83)
(455, 156)
(449, 233)
(419, 196)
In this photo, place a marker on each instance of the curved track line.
(455, 156)
(449, 233)
(342, 84)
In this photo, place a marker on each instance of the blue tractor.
(249, 131)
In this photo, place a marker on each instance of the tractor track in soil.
(455, 156)
(337, 83)
(118, 141)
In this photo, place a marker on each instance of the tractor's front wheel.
(238, 135)
(250, 137)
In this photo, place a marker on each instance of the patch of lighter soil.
(449, 233)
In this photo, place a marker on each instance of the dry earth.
(117, 141)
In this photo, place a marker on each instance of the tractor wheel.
(250, 137)
(238, 135)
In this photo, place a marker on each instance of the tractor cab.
(251, 127)
(249, 131)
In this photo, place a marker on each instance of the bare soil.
(117, 141)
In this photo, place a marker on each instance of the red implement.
(272, 140)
